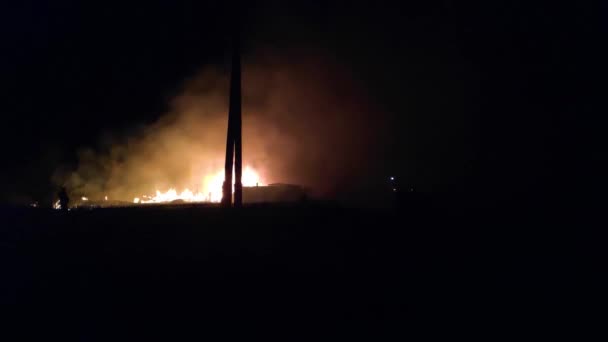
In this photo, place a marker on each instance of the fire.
(211, 189)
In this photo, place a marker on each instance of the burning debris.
(211, 190)
(254, 191)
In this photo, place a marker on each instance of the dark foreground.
(314, 271)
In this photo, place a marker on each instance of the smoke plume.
(306, 121)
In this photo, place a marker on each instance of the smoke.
(306, 121)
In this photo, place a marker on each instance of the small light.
(392, 178)
(394, 189)
(84, 198)
(106, 198)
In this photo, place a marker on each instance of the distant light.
(394, 189)
(136, 200)
(84, 198)
(106, 198)
(392, 178)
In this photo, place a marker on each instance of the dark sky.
(486, 96)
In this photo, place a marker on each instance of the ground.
(291, 271)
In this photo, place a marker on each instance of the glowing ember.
(211, 189)
(84, 198)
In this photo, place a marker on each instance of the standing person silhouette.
(64, 200)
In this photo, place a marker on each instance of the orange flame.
(211, 190)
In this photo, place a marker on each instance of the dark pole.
(233, 140)
(227, 186)
(235, 93)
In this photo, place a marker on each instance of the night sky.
(484, 98)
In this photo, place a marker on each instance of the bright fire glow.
(211, 189)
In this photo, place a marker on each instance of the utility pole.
(234, 148)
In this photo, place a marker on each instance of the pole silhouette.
(234, 148)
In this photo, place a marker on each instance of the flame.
(211, 189)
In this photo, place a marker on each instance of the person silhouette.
(64, 200)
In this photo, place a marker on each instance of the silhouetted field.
(286, 270)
